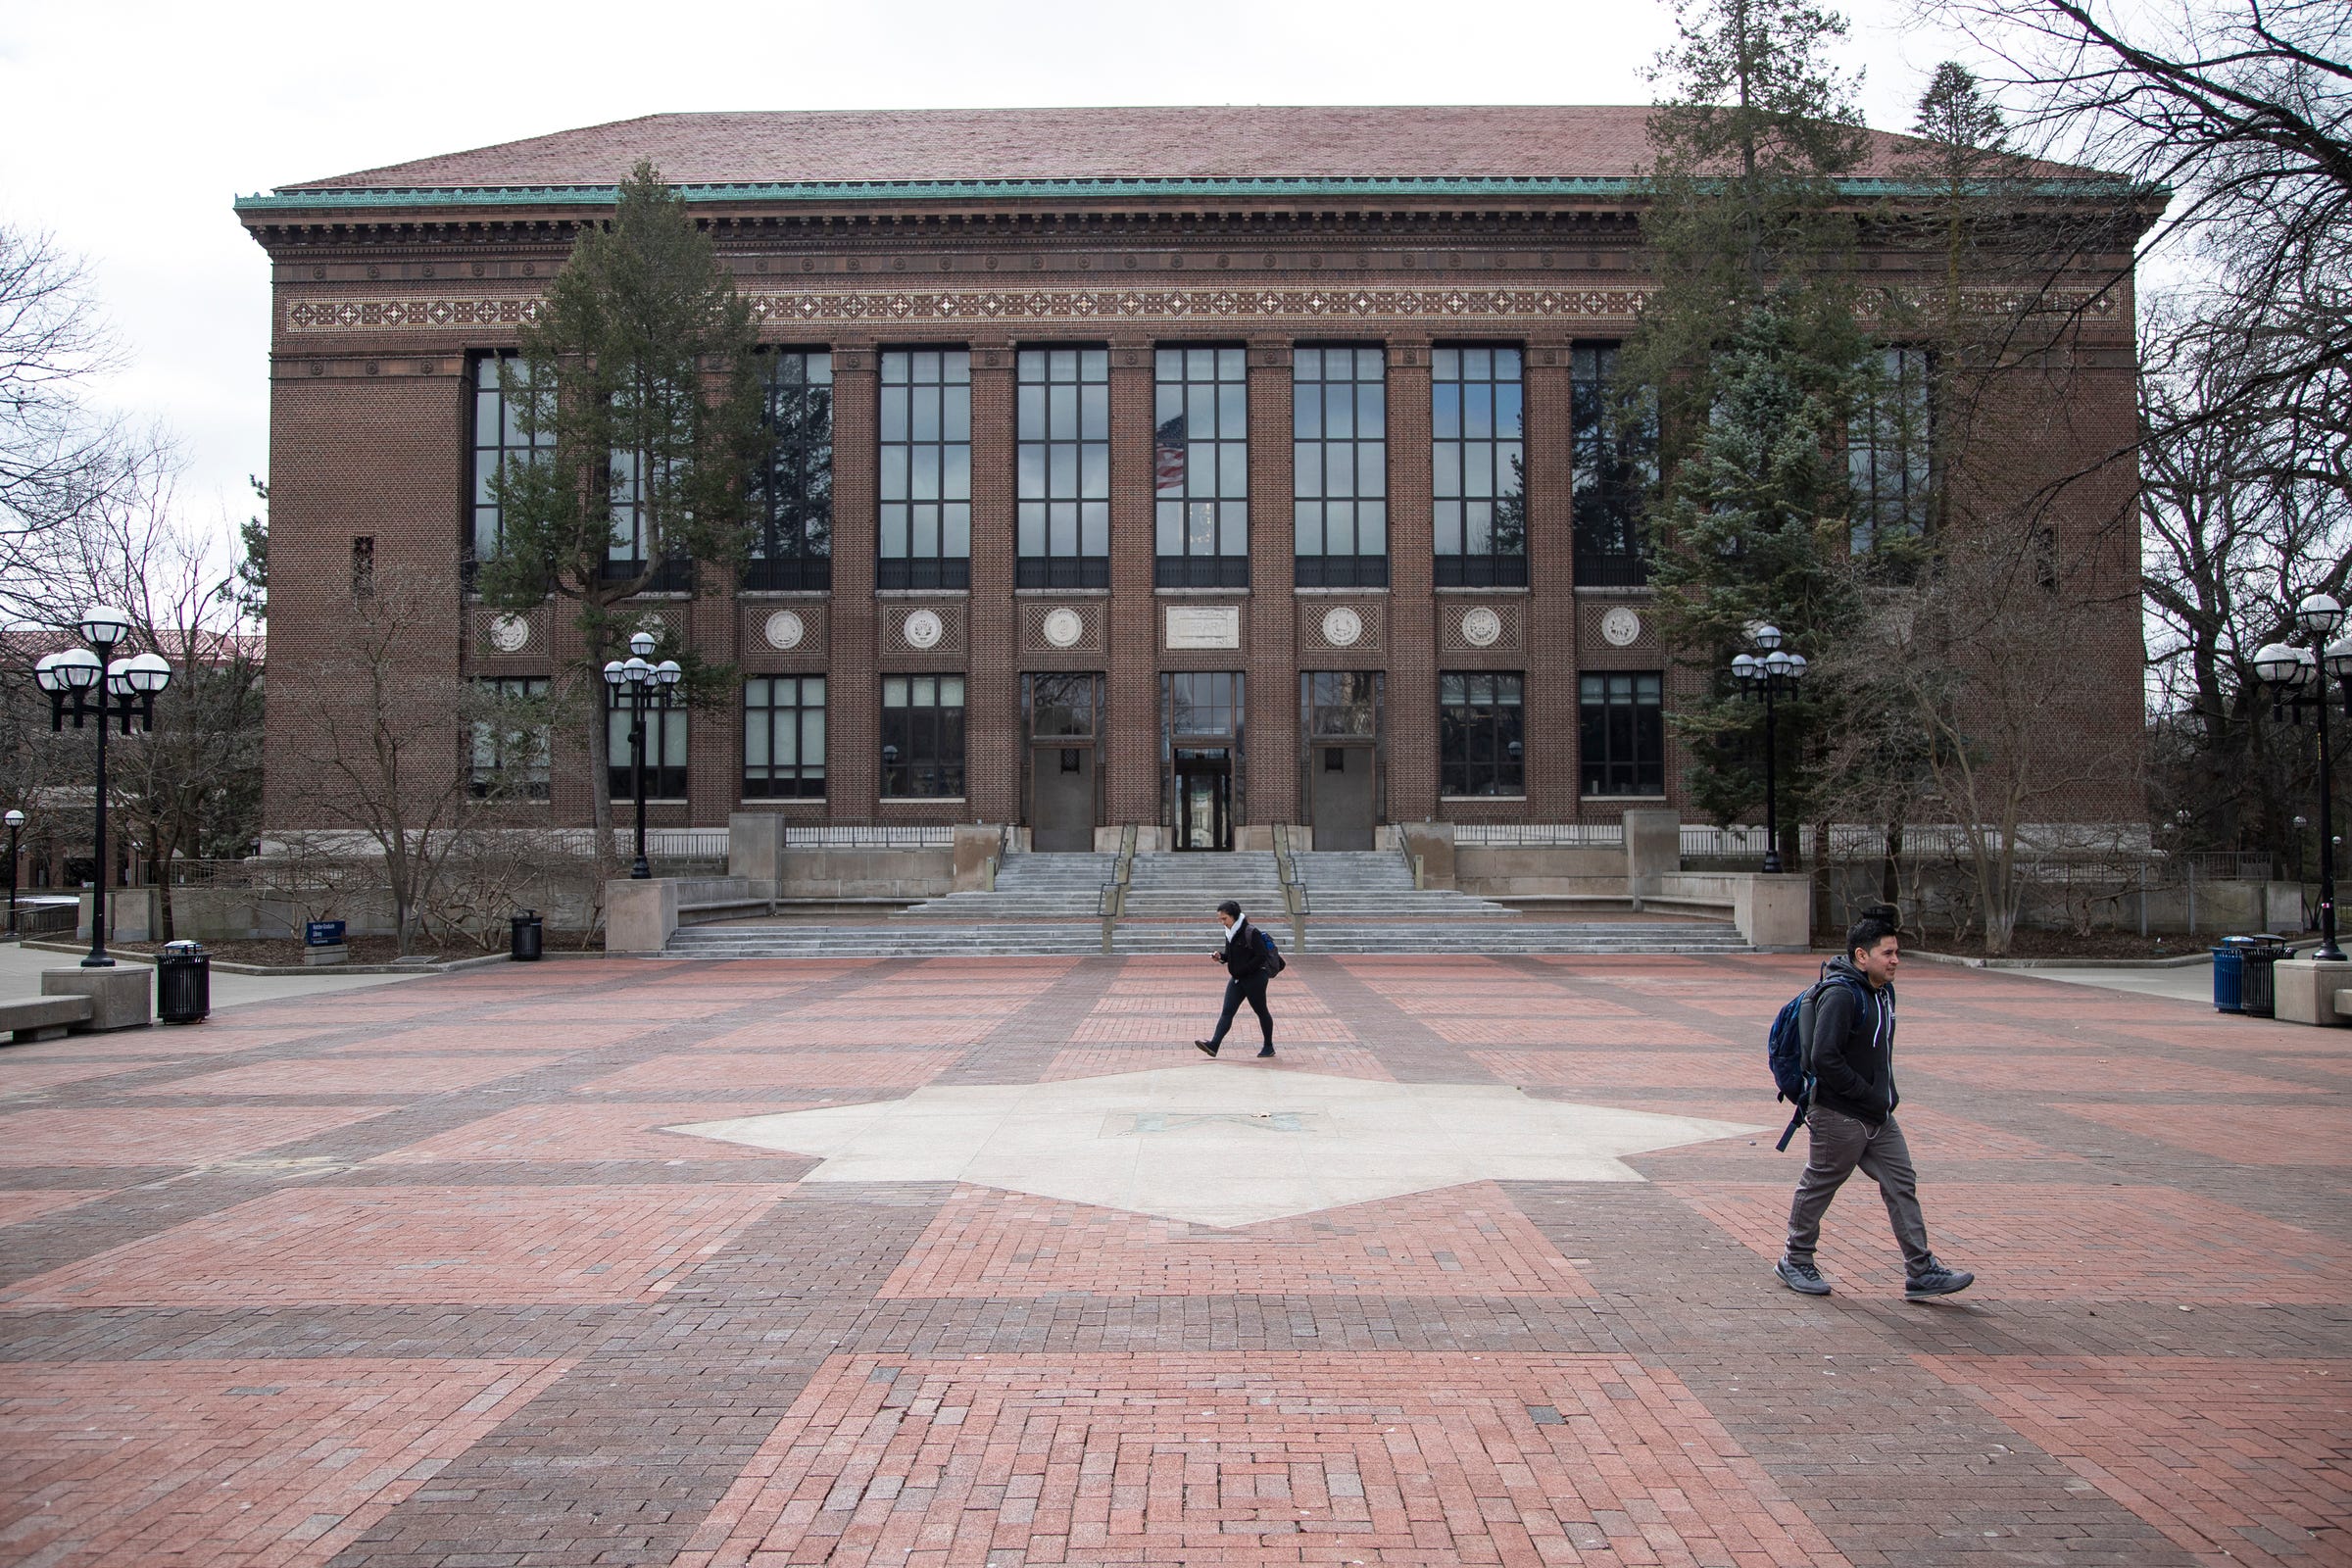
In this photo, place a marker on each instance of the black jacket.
(1853, 1047)
(1242, 954)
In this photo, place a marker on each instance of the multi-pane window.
(1341, 704)
(1064, 488)
(1889, 450)
(926, 479)
(1479, 477)
(633, 532)
(1340, 467)
(1200, 467)
(1481, 734)
(922, 736)
(664, 744)
(792, 485)
(1613, 454)
(499, 441)
(1622, 734)
(784, 738)
(510, 740)
(1204, 702)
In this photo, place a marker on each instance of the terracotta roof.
(785, 147)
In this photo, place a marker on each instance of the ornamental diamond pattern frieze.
(1040, 305)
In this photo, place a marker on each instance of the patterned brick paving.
(416, 1279)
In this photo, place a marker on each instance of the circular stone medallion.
(785, 630)
(1063, 628)
(1620, 628)
(923, 629)
(510, 634)
(1482, 628)
(1343, 627)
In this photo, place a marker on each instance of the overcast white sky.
(134, 124)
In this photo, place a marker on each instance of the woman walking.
(1249, 963)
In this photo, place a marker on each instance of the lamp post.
(1771, 677)
(15, 825)
(2298, 680)
(89, 682)
(642, 683)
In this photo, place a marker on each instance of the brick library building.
(1195, 471)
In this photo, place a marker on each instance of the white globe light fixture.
(667, 673)
(147, 674)
(2274, 663)
(642, 644)
(2320, 615)
(1767, 637)
(104, 625)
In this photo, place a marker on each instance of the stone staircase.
(1171, 885)
(1349, 886)
(1048, 904)
(1046, 888)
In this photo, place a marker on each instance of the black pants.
(1252, 988)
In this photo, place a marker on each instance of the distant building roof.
(964, 146)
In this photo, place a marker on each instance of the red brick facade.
(383, 288)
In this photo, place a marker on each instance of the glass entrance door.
(1203, 800)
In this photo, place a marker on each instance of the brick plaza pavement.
(416, 1275)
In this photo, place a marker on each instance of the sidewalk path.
(427, 1273)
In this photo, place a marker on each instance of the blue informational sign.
(322, 934)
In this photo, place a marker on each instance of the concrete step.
(894, 939)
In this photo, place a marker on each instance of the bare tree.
(62, 461)
(1969, 670)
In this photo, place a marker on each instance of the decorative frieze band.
(1120, 305)
(1028, 305)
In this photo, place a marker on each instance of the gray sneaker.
(1802, 1278)
(1936, 1279)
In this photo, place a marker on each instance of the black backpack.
(1275, 962)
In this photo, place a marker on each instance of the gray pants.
(1840, 1144)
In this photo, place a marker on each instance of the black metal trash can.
(529, 935)
(2257, 990)
(183, 983)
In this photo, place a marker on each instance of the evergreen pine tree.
(636, 384)
(1752, 353)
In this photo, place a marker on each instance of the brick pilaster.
(1269, 650)
(853, 695)
(1550, 635)
(1413, 686)
(993, 695)
(1131, 632)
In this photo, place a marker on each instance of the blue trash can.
(2230, 974)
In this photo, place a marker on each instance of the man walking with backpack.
(1850, 1062)
(1250, 961)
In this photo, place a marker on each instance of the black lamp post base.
(97, 961)
(1771, 864)
(641, 872)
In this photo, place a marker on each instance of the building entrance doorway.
(1342, 782)
(1061, 716)
(1340, 722)
(1203, 800)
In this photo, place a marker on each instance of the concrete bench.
(43, 1017)
(2343, 1004)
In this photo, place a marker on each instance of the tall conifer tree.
(636, 387)
(1750, 347)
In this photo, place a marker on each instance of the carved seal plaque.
(1620, 628)
(510, 634)
(1481, 627)
(1063, 628)
(1343, 627)
(785, 630)
(923, 629)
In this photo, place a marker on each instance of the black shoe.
(1936, 1279)
(1207, 1048)
(1802, 1278)
(1264, 1055)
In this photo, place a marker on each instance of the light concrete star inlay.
(1216, 1144)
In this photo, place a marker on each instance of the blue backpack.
(1788, 1050)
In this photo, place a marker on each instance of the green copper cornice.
(1498, 188)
